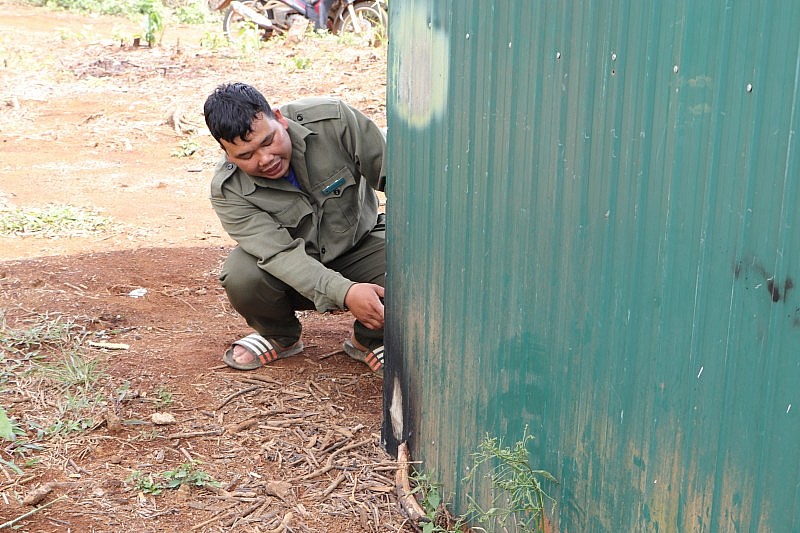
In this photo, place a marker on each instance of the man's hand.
(363, 300)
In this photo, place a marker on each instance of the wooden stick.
(329, 354)
(336, 482)
(191, 434)
(29, 513)
(244, 424)
(236, 394)
(109, 345)
(402, 486)
(329, 463)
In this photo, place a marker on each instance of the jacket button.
(322, 251)
(337, 192)
(229, 166)
(299, 117)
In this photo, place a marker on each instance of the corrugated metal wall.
(593, 211)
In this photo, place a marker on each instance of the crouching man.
(296, 191)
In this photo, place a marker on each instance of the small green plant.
(121, 392)
(248, 38)
(430, 498)
(302, 63)
(186, 148)
(213, 41)
(153, 21)
(296, 63)
(188, 474)
(185, 474)
(518, 502)
(145, 483)
(164, 398)
(65, 426)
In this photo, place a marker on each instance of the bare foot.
(242, 355)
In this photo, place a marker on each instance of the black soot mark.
(773, 290)
(773, 286)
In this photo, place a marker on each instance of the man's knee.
(245, 282)
(239, 269)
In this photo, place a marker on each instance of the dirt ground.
(89, 121)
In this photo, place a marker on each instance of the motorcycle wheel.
(372, 20)
(237, 28)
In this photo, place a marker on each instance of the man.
(296, 191)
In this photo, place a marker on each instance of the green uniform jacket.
(337, 157)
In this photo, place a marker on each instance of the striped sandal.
(372, 358)
(264, 352)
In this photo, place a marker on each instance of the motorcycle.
(363, 17)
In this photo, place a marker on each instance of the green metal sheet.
(593, 233)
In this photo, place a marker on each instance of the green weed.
(121, 392)
(186, 148)
(153, 20)
(213, 41)
(164, 398)
(430, 498)
(296, 63)
(185, 474)
(248, 38)
(73, 370)
(144, 483)
(188, 474)
(65, 427)
(518, 501)
(72, 35)
(42, 332)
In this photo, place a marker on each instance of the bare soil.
(90, 121)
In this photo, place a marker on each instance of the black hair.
(230, 110)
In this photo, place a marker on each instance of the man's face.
(267, 153)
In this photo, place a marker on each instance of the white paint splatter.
(396, 410)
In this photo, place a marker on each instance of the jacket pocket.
(293, 215)
(341, 201)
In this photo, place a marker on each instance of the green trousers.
(268, 304)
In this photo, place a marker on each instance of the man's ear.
(280, 118)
